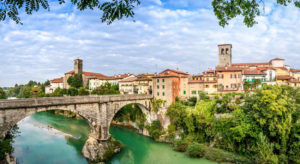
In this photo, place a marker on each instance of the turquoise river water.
(46, 138)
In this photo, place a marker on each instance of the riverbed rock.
(9, 159)
(97, 151)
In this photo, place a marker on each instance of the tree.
(82, 91)
(75, 81)
(112, 10)
(225, 10)
(106, 89)
(247, 86)
(36, 92)
(2, 94)
(256, 83)
(24, 92)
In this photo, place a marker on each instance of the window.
(233, 85)
(222, 51)
(220, 76)
(206, 86)
(227, 51)
(163, 87)
(157, 86)
(157, 80)
(239, 75)
(194, 92)
(163, 93)
(163, 80)
(157, 93)
(184, 92)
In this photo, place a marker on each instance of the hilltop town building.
(55, 83)
(97, 81)
(126, 86)
(78, 69)
(143, 84)
(170, 84)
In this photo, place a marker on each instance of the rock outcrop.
(98, 151)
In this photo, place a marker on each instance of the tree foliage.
(111, 9)
(225, 10)
(24, 91)
(2, 94)
(131, 112)
(75, 81)
(106, 89)
(155, 129)
(265, 127)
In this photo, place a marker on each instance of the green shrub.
(220, 155)
(192, 101)
(195, 150)
(155, 129)
(180, 145)
(203, 96)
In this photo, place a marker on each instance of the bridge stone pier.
(98, 111)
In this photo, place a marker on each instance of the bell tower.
(78, 66)
(225, 55)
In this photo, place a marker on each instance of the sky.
(181, 34)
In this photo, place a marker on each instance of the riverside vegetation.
(258, 127)
(262, 126)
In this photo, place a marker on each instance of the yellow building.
(143, 84)
(195, 87)
(210, 81)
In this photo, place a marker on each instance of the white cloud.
(161, 37)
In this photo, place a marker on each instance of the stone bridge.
(97, 110)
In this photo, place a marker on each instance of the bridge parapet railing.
(52, 101)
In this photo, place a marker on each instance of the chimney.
(78, 66)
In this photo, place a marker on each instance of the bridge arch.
(13, 116)
(97, 110)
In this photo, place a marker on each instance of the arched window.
(227, 51)
(222, 51)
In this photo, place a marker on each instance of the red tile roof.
(87, 73)
(276, 59)
(228, 69)
(130, 79)
(253, 72)
(58, 80)
(196, 81)
(145, 75)
(283, 77)
(295, 70)
(264, 68)
(143, 79)
(176, 71)
(249, 64)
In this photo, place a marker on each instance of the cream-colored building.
(126, 85)
(195, 87)
(143, 84)
(97, 81)
(78, 69)
(55, 83)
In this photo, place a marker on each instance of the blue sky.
(180, 34)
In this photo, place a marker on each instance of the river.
(47, 138)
